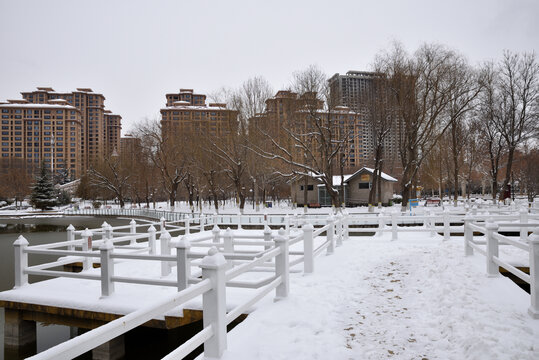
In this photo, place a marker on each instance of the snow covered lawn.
(415, 298)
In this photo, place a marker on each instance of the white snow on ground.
(415, 298)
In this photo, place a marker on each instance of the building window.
(364, 185)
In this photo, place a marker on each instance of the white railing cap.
(308, 226)
(491, 226)
(70, 227)
(215, 229)
(21, 240)
(86, 233)
(267, 229)
(152, 229)
(107, 245)
(132, 222)
(213, 260)
(182, 243)
(165, 235)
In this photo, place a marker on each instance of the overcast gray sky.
(136, 51)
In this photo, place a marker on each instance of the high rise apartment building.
(95, 132)
(295, 113)
(113, 132)
(47, 132)
(355, 89)
(129, 145)
(187, 112)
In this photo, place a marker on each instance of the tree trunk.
(379, 184)
(508, 167)
(305, 194)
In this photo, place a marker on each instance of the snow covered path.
(415, 298)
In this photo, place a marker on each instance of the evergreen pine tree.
(43, 193)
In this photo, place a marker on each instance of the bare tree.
(491, 141)
(422, 89)
(313, 137)
(465, 87)
(166, 151)
(519, 96)
(379, 111)
(529, 172)
(111, 175)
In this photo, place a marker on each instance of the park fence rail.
(226, 260)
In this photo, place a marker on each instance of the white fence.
(226, 260)
(219, 269)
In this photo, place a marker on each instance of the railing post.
(71, 237)
(214, 303)
(133, 230)
(87, 246)
(394, 228)
(228, 238)
(164, 239)
(330, 235)
(287, 224)
(108, 232)
(523, 220)
(239, 221)
(492, 249)
(21, 261)
(534, 274)
(339, 230)
(446, 225)
(163, 224)
(267, 237)
(215, 232)
(308, 249)
(381, 224)
(187, 225)
(201, 222)
(432, 222)
(183, 265)
(104, 230)
(151, 240)
(468, 235)
(107, 268)
(346, 225)
(282, 265)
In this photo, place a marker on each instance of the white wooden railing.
(225, 261)
(490, 228)
(220, 268)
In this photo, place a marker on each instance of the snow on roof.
(37, 106)
(384, 175)
(189, 107)
(337, 180)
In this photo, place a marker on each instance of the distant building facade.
(113, 132)
(96, 133)
(47, 132)
(355, 89)
(295, 112)
(187, 112)
(129, 144)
